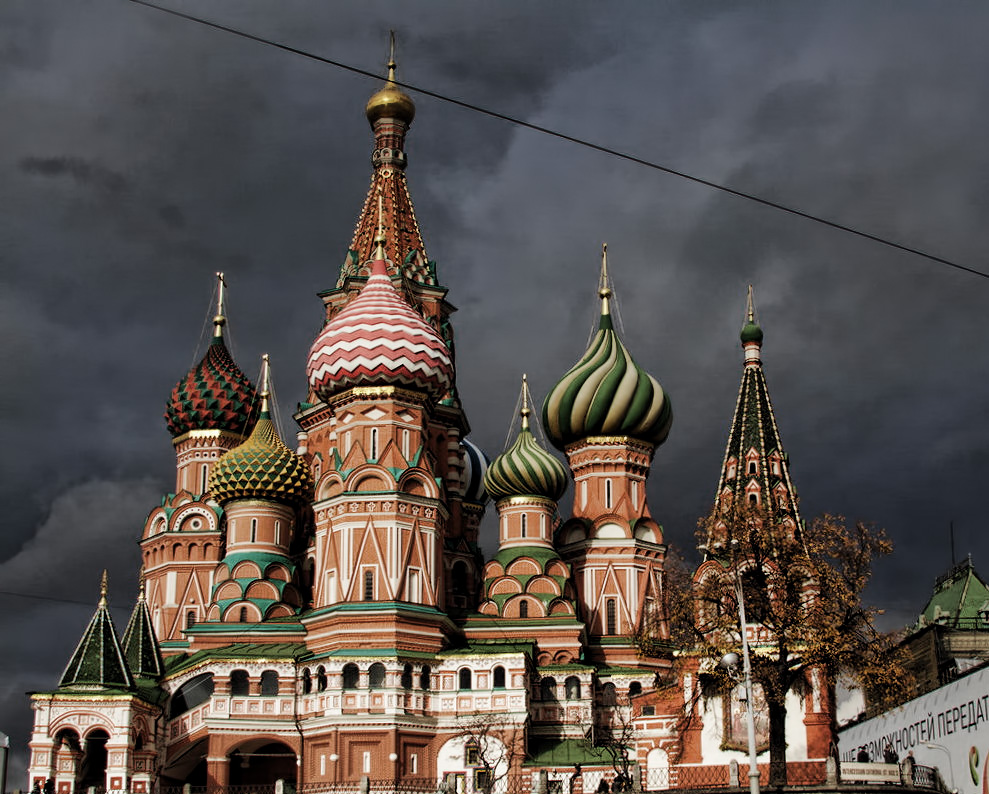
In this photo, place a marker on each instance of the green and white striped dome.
(526, 469)
(606, 393)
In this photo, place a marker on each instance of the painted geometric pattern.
(607, 394)
(526, 469)
(214, 395)
(262, 468)
(403, 241)
(379, 339)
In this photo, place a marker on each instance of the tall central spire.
(390, 112)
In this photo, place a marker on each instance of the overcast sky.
(140, 153)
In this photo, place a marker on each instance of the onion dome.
(262, 467)
(378, 339)
(391, 102)
(606, 393)
(215, 394)
(525, 468)
(475, 467)
(751, 332)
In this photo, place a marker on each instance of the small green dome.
(526, 469)
(751, 332)
(262, 468)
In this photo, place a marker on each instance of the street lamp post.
(730, 662)
(951, 771)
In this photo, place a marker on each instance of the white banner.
(947, 728)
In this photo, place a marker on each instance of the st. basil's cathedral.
(325, 615)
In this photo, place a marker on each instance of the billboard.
(947, 728)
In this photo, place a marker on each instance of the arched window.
(523, 609)
(547, 689)
(374, 443)
(306, 682)
(254, 530)
(369, 584)
(269, 683)
(635, 688)
(611, 616)
(243, 614)
(609, 697)
(525, 526)
(607, 493)
(376, 676)
(407, 677)
(190, 618)
(498, 677)
(425, 678)
(351, 676)
(320, 679)
(240, 683)
(572, 686)
(464, 678)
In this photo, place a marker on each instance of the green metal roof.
(567, 752)
(958, 597)
(140, 643)
(98, 661)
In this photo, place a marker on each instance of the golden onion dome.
(390, 102)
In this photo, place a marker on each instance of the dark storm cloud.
(142, 153)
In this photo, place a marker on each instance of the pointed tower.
(527, 590)
(608, 415)
(140, 644)
(262, 486)
(211, 410)
(77, 739)
(755, 469)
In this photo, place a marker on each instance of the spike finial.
(604, 291)
(525, 402)
(391, 56)
(140, 584)
(265, 383)
(103, 588)
(379, 237)
(750, 309)
(219, 320)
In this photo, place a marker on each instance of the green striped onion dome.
(262, 468)
(526, 469)
(607, 394)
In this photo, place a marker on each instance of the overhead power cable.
(573, 139)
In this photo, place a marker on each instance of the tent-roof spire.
(98, 661)
(140, 645)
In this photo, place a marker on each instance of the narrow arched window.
(369, 584)
(498, 678)
(254, 530)
(376, 676)
(240, 683)
(547, 689)
(464, 678)
(374, 443)
(351, 676)
(321, 679)
(425, 678)
(243, 614)
(306, 681)
(407, 677)
(611, 616)
(572, 686)
(190, 618)
(609, 696)
(524, 609)
(607, 493)
(635, 688)
(269, 683)
(203, 478)
(525, 527)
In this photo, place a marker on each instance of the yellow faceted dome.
(390, 102)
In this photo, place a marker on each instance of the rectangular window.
(482, 780)
(414, 764)
(366, 766)
(472, 754)
(369, 584)
(414, 587)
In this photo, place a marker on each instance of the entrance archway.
(262, 762)
(92, 769)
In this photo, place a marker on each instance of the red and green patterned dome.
(262, 468)
(214, 395)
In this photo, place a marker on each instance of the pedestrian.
(908, 769)
(603, 786)
(889, 754)
(863, 754)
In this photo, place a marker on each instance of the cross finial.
(219, 320)
(265, 383)
(525, 402)
(391, 56)
(604, 291)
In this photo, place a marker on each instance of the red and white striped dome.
(378, 339)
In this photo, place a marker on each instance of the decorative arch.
(417, 483)
(246, 569)
(329, 486)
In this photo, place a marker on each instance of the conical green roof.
(98, 661)
(141, 649)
